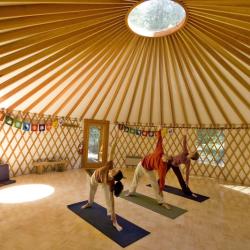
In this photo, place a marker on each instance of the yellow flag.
(163, 132)
(55, 123)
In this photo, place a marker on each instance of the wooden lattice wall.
(233, 167)
(20, 148)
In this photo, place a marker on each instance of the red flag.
(34, 127)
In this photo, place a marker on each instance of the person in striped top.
(110, 180)
(154, 161)
(185, 157)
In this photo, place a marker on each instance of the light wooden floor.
(222, 222)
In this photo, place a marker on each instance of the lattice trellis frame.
(20, 148)
(236, 167)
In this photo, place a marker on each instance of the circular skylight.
(155, 18)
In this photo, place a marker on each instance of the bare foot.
(86, 206)
(117, 227)
(165, 205)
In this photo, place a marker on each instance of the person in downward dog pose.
(154, 161)
(110, 180)
(185, 157)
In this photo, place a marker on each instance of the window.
(210, 144)
(155, 18)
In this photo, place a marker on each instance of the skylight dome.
(155, 18)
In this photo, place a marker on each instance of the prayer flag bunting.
(141, 132)
(28, 126)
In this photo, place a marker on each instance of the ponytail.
(118, 187)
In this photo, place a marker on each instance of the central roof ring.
(156, 18)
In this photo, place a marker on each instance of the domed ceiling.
(81, 59)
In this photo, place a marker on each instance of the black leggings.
(184, 186)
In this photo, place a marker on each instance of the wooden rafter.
(78, 58)
(131, 75)
(145, 80)
(129, 61)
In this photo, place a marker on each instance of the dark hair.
(195, 156)
(118, 187)
(118, 176)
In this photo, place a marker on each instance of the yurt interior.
(124, 124)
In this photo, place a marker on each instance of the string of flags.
(26, 125)
(140, 132)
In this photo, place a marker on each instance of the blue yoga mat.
(97, 217)
(7, 182)
(177, 191)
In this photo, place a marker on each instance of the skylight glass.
(155, 18)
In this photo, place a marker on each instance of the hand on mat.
(129, 194)
(194, 195)
(86, 206)
(117, 226)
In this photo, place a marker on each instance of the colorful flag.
(9, 120)
(120, 126)
(34, 127)
(26, 126)
(132, 130)
(60, 121)
(138, 132)
(126, 129)
(144, 133)
(17, 123)
(151, 133)
(42, 127)
(55, 123)
(48, 125)
(163, 132)
(2, 115)
(170, 131)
